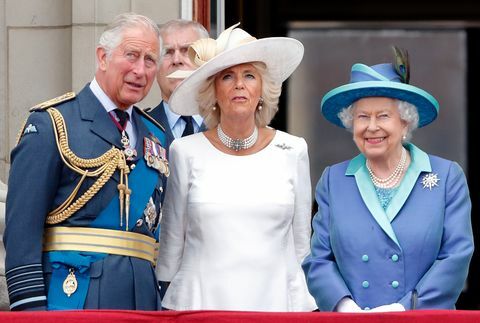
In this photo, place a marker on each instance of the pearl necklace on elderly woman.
(392, 180)
(237, 144)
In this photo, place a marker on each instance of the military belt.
(113, 242)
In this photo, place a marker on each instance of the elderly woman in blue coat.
(393, 229)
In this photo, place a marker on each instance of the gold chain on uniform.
(105, 166)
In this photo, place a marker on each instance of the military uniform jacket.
(158, 113)
(39, 181)
(417, 252)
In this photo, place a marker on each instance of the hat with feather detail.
(234, 46)
(381, 80)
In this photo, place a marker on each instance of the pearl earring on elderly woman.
(260, 104)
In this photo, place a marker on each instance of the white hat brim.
(281, 55)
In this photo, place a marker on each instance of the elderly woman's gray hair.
(270, 95)
(113, 33)
(408, 113)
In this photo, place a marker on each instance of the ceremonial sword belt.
(113, 242)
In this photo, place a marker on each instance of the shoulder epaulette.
(52, 102)
(155, 122)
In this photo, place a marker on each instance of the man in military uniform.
(86, 185)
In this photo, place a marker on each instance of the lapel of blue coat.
(419, 163)
(357, 168)
(102, 125)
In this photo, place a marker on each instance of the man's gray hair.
(112, 35)
(177, 24)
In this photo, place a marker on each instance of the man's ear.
(101, 58)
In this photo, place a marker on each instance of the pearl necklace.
(237, 144)
(392, 180)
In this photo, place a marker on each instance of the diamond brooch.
(430, 180)
(283, 146)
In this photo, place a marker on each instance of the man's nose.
(177, 58)
(139, 67)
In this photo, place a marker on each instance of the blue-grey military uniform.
(40, 181)
(158, 113)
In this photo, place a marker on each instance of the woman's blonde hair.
(270, 94)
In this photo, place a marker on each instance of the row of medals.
(130, 153)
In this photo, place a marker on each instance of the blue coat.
(418, 251)
(39, 181)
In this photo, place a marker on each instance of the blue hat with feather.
(382, 80)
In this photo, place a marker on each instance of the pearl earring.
(214, 108)
(260, 104)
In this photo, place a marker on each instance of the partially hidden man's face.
(127, 75)
(174, 57)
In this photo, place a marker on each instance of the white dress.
(235, 229)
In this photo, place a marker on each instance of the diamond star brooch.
(430, 180)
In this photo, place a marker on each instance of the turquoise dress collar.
(420, 162)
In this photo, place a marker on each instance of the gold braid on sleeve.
(103, 166)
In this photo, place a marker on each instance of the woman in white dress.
(237, 214)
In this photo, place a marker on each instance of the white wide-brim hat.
(234, 46)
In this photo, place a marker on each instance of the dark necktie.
(122, 118)
(188, 126)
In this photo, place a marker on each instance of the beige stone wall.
(47, 47)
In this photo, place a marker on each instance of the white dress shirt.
(110, 106)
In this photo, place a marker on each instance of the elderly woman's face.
(377, 127)
(238, 90)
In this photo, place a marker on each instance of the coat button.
(365, 258)
(139, 222)
(365, 284)
(395, 284)
(395, 258)
(367, 308)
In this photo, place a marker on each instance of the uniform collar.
(106, 102)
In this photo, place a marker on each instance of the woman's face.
(238, 90)
(377, 127)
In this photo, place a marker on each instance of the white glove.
(394, 307)
(347, 305)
